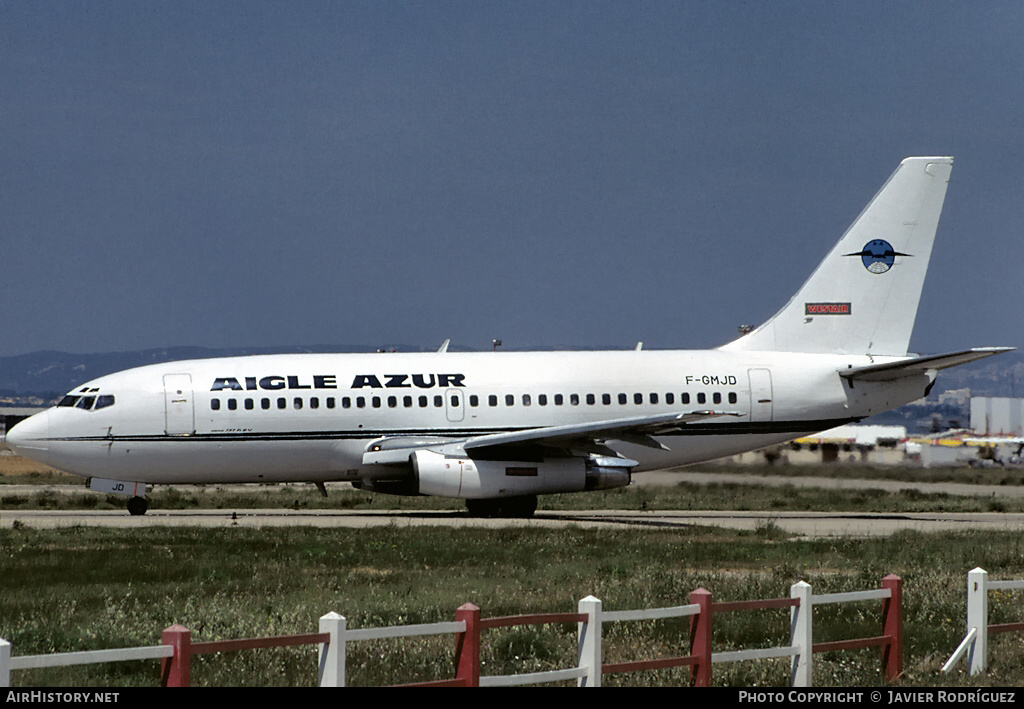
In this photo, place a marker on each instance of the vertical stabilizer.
(862, 299)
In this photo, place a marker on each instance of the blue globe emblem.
(878, 256)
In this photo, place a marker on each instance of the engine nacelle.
(604, 472)
(463, 477)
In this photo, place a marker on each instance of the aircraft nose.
(28, 438)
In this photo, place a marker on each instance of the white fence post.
(332, 654)
(801, 635)
(5, 663)
(589, 644)
(977, 617)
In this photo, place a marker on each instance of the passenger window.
(492, 400)
(684, 398)
(375, 401)
(732, 397)
(392, 402)
(606, 399)
(346, 402)
(526, 399)
(701, 398)
(438, 401)
(360, 402)
(474, 400)
(232, 404)
(422, 402)
(265, 403)
(298, 403)
(574, 399)
(654, 398)
(510, 400)
(407, 401)
(670, 398)
(314, 403)
(330, 402)
(716, 398)
(215, 404)
(542, 399)
(559, 399)
(282, 403)
(249, 405)
(623, 399)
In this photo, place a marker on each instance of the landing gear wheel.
(482, 508)
(519, 506)
(137, 506)
(523, 506)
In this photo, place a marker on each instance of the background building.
(997, 416)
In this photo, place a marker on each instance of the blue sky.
(548, 173)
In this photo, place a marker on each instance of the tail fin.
(862, 299)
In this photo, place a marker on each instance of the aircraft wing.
(585, 436)
(919, 365)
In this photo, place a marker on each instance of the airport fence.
(975, 644)
(177, 649)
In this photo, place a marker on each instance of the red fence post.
(175, 670)
(467, 646)
(700, 639)
(892, 626)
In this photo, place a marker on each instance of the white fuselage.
(312, 417)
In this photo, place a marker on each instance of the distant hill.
(51, 374)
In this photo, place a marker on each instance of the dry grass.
(11, 464)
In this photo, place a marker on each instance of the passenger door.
(761, 406)
(180, 413)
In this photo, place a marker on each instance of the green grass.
(685, 496)
(963, 474)
(79, 588)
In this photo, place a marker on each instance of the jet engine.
(468, 478)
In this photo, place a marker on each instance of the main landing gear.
(523, 506)
(137, 506)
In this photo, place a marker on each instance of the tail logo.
(878, 255)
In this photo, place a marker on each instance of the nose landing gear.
(137, 506)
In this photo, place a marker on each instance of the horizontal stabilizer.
(919, 365)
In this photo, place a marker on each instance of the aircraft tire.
(483, 508)
(519, 506)
(516, 507)
(137, 506)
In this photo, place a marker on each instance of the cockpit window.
(88, 403)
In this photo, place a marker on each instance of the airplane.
(499, 428)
